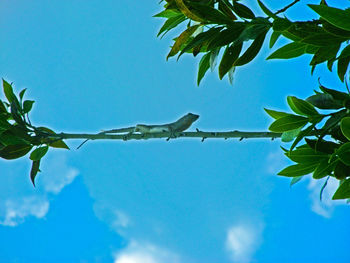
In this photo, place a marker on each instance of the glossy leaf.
(281, 24)
(341, 171)
(297, 170)
(289, 136)
(338, 95)
(274, 37)
(306, 155)
(21, 94)
(171, 23)
(290, 50)
(14, 151)
(252, 51)
(301, 107)
(276, 114)
(324, 101)
(324, 168)
(242, 11)
(8, 138)
(229, 57)
(181, 40)
(337, 17)
(343, 190)
(203, 67)
(322, 39)
(38, 153)
(34, 171)
(343, 65)
(321, 145)
(345, 127)
(208, 13)
(288, 123)
(27, 105)
(8, 91)
(301, 135)
(59, 144)
(343, 153)
(345, 52)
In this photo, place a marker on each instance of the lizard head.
(192, 116)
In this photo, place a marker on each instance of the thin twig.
(286, 7)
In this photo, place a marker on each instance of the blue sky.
(93, 65)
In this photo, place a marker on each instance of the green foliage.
(319, 156)
(233, 27)
(18, 136)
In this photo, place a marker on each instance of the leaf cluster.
(326, 151)
(17, 136)
(229, 31)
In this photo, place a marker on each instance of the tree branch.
(286, 7)
(169, 135)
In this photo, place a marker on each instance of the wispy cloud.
(137, 252)
(326, 206)
(55, 176)
(242, 241)
(275, 162)
(17, 210)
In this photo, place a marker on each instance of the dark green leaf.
(243, 11)
(281, 24)
(59, 144)
(229, 57)
(203, 67)
(341, 171)
(324, 54)
(167, 13)
(35, 169)
(343, 153)
(14, 151)
(297, 170)
(226, 36)
(335, 30)
(201, 38)
(323, 39)
(306, 155)
(213, 58)
(337, 17)
(290, 50)
(343, 190)
(324, 101)
(345, 127)
(21, 94)
(171, 23)
(322, 145)
(209, 13)
(266, 10)
(181, 40)
(38, 153)
(288, 123)
(337, 95)
(274, 36)
(345, 52)
(27, 105)
(252, 51)
(187, 12)
(276, 114)
(301, 135)
(343, 64)
(8, 138)
(324, 168)
(8, 91)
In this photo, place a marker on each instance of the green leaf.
(335, 30)
(341, 171)
(345, 127)
(343, 190)
(21, 94)
(59, 144)
(301, 107)
(200, 39)
(187, 12)
(27, 105)
(276, 114)
(38, 153)
(281, 24)
(8, 138)
(252, 51)
(274, 36)
(168, 13)
(208, 13)
(171, 23)
(322, 39)
(290, 50)
(301, 135)
(322, 145)
(324, 101)
(213, 58)
(343, 153)
(295, 180)
(337, 17)
(226, 36)
(297, 170)
(228, 58)
(203, 67)
(337, 95)
(254, 29)
(288, 123)
(242, 11)
(345, 52)
(266, 10)
(343, 65)
(289, 136)
(14, 151)
(306, 155)
(324, 54)
(35, 169)
(324, 168)
(8, 91)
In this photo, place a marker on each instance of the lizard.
(180, 125)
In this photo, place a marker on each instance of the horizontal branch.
(168, 135)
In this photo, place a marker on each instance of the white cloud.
(57, 174)
(17, 210)
(326, 206)
(121, 219)
(137, 252)
(275, 162)
(242, 241)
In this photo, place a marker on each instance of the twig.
(286, 7)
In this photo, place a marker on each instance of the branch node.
(203, 139)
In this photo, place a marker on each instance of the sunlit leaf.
(203, 67)
(343, 190)
(288, 123)
(290, 50)
(297, 170)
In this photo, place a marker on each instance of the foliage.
(213, 26)
(230, 32)
(18, 136)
